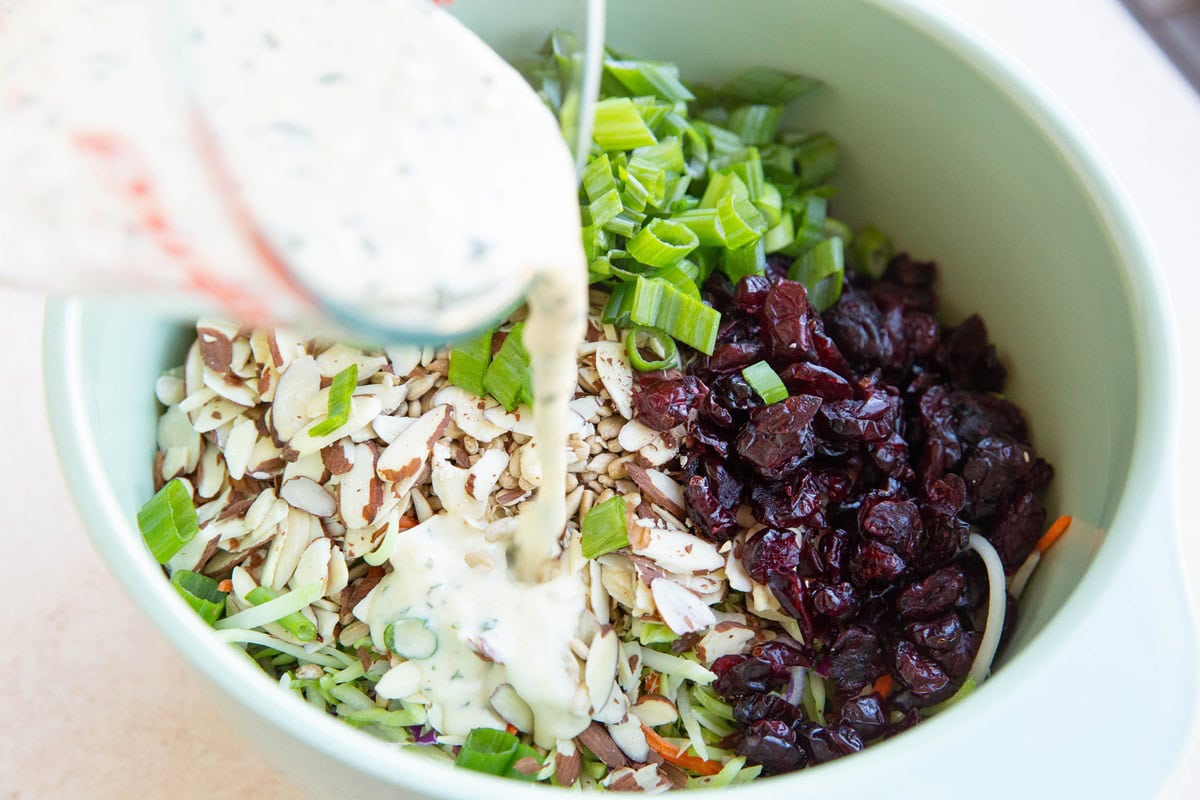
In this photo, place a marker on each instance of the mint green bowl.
(965, 160)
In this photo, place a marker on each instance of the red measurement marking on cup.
(123, 167)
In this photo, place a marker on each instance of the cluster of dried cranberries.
(865, 484)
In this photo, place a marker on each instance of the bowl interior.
(943, 157)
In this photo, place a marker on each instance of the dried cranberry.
(770, 551)
(786, 318)
(725, 663)
(934, 594)
(732, 356)
(783, 654)
(751, 709)
(805, 377)
(998, 468)
(750, 294)
(712, 518)
(946, 495)
(835, 601)
(771, 743)
(825, 744)
(663, 404)
(733, 392)
(860, 331)
(1017, 530)
(896, 523)
(945, 638)
(875, 564)
(746, 677)
(869, 420)
(968, 358)
(779, 437)
(865, 715)
(802, 499)
(919, 673)
(855, 659)
(906, 271)
(794, 600)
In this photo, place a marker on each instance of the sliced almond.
(216, 343)
(616, 373)
(407, 455)
(298, 384)
(725, 639)
(634, 436)
(469, 412)
(601, 670)
(360, 493)
(169, 389)
(399, 682)
(615, 708)
(404, 358)
(676, 551)
(362, 411)
(567, 768)
(239, 446)
(308, 466)
(629, 737)
(657, 487)
(389, 427)
(662, 448)
(313, 566)
(654, 710)
(338, 357)
(597, 739)
(680, 609)
(308, 495)
(175, 430)
(512, 708)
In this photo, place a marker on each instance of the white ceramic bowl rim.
(1157, 401)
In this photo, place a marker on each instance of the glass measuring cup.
(125, 166)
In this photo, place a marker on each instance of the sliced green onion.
(410, 637)
(666, 155)
(604, 528)
(489, 751)
(756, 123)
(682, 276)
(748, 167)
(168, 521)
(780, 236)
(294, 623)
(721, 141)
(722, 185)
(821, 270)
(742, 222)
(810, 223)
(663, 243)
(643, 337)
(767, 85)
(765, 381)
(597, 177)
(508, 378)
(835, 227)
(705, 223)
(201, 593)
(339, 402)
(653, 180)
(748, 260)
(469, 363)
(816, 158)
(656, 303)
(677, 667)
(770, 203)
(872, 251)
(650, 78)
(619, 126)
(624, 224)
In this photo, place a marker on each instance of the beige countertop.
(96, 705)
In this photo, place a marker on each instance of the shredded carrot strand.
(883, 685)
(225, 586)
(1052, 533)
(511, 728)
(670, 754)
(407, 522)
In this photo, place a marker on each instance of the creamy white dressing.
(491, 630)
(402, 172)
